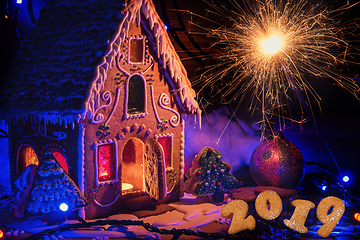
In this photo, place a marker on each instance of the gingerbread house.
(100, 85)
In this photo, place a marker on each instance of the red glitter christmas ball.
(277, 162)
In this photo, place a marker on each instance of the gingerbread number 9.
(239, 209)
(333, 218)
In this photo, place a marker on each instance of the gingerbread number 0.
(261, 205)
(239, 209)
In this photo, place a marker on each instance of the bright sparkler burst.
(271, 44)
(270, 41)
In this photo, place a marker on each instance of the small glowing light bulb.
(357, 217)
(271, 44)
(346, 178)
(64, 207)
(324, 188)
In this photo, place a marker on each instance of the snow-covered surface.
(189, 213)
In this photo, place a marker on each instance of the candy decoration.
(211, 181)
(277, 162)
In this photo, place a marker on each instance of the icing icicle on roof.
(62, 66)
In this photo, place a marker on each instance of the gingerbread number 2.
(333, 218)
(239, 209)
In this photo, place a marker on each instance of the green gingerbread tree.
(53, 188)
(209, 175)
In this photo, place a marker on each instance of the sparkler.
(270, 47)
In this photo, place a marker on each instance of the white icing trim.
(81, 170)
(139, 115)
(20, 130)
(107, 205)
(47, 117)
(115, 105)
(153, 104)
(169, 169)
(99, 117)
(137, 37)
(96, 145)
(149, 67)
(163, 135)
(118, 64)
(165, 51)
(165, 100)
(59, 135)
(182, 158)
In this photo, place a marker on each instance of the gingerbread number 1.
(239, 209)
(297, 221)
(333, 218)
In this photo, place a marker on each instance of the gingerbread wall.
(30, 137)
(113, 124)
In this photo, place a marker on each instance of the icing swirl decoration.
(164, 100)
(98, 117)
(20, 132)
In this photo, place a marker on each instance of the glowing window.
(136, 50)
(26, 156)
(61, 159)
(136, 95)
(166, 143)
(106, 162)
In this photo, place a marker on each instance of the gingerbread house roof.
(61, 67)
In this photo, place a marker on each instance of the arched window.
(26, 156)
(106, 162)
(61, 159)
(136, 96)
(166, 143)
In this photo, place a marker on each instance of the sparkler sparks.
(270, 41)
(271, 44)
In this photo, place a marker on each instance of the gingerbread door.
(133, 165)
(154, 170)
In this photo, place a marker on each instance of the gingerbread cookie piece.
(23, 185)
(154, 170)
(239, 209)
(210, 176)
(261, 205)
(245, 193)
(282, 192)
(330, 220)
